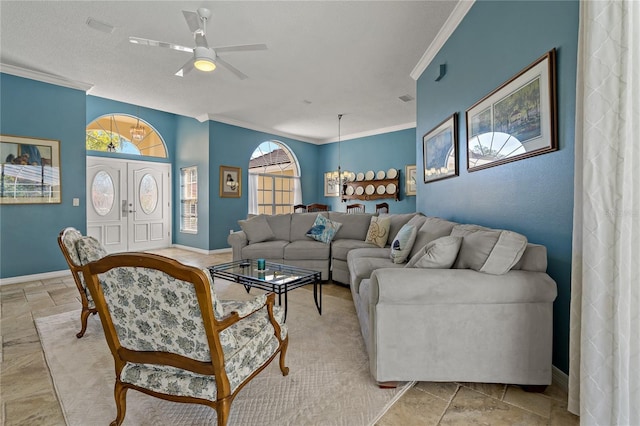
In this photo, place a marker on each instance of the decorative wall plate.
(370, 189)
(380, 175)
(392, 173)
(360, 176)
(359, 190)
(381, 189)
(391, 188)
(350, 190)
(369, 175)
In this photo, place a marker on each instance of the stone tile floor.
(28, 396)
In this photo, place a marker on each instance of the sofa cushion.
(341, 248)
(399, 220)
(361, 268)
(301, 223)
(257, 229)
(280, 225)
(323, 229)
(378, 232)
(431, 229)
(440, 253)
(306, 250)
(533, 259)
(488, 250)
(265, 250)
(354, 225)
(402, 243)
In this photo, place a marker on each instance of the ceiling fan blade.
(240, 48)
(193, 20)
(155, 43)
(186, 68)
(231, 68)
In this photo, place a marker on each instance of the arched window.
(124, 134)
(274, 179)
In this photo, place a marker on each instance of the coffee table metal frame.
(246, 272)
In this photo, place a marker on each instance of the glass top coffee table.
(276, 278)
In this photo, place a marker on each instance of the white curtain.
(297, 191)
(252, 195)
(604, 377)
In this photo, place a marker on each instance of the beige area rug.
(328, 383)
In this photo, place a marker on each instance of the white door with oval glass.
(128, 204)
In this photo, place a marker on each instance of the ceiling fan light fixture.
(204, 58)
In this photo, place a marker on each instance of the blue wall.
(193, 151)
(533, 196)
(232, 146)
(28, 233)
(379, 152)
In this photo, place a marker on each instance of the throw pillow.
(402, 243)
(488, 250)
(257, 229)
(378, 232)
(323, 229)
(89, 249)
(440, 253)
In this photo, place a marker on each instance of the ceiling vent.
(406, 98)
(100, 26)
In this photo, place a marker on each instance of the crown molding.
(213, 117)
(374, 132)
(44, 77)
(458, 13)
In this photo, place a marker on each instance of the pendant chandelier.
(138, 132)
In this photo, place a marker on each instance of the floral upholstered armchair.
(79, 250)
(172, 338)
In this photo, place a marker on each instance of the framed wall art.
(440, 150)
(30, 170)
(331, 184)
(517, 120)
(230, 182)
(410, 182)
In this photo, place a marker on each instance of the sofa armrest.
(417, 286)
(237, 240)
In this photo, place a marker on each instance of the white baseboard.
(34, 277)
(202, 251)
(560, 378)
(66, 272)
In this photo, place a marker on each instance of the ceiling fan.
(204, 58)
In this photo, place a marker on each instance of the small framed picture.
(331, 184)
(410, 183)
(230, 182)
(440, 150)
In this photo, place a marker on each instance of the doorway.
(128, 204)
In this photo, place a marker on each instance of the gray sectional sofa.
(486, 316)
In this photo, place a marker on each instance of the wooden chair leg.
(84, 315)
(222, 409)
(283, 352)
(120, 394)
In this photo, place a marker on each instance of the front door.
(128, 206)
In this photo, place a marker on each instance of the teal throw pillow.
(323, 229)
(403, 243)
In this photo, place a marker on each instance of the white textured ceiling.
(323, 58)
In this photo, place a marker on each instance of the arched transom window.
(274, 179)
(124, 134)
